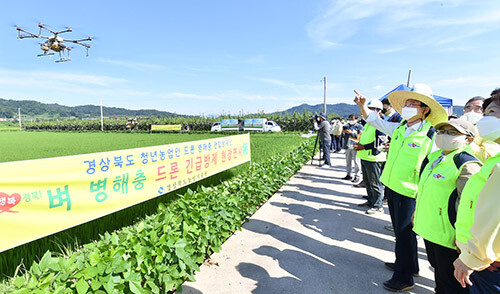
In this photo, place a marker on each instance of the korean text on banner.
(44, 196)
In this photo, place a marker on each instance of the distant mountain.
(340, 109)
(343, 109)
(8, 109)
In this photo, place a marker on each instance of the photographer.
(324, 135)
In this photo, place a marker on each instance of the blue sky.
(213, 57)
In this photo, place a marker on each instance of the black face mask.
(384, 111)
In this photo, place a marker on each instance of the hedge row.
(159, 253)
(296, 122)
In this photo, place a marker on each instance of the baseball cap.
(461, 125)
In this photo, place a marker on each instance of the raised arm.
(372, 118)
(360, 100)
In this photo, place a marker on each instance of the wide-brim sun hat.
(323, 115)
(422, 93)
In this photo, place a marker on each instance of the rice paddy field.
(22, 145)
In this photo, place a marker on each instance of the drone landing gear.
(45, 54)
(61, 56)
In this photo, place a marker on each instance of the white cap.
(375, 103)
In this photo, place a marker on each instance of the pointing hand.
(359, 99)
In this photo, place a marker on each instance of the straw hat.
(422, 93)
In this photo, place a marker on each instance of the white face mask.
(472, 117)
(447, 142)
(408, 112)
(489, 127)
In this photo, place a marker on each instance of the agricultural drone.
(54, 43)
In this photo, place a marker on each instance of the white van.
(260, 124)
(216, 127)
(227, 125)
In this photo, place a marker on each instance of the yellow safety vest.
(367, 137)
(405, 157)
(467, 207)
(435, 211)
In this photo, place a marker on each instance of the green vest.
(405, 157)
(437, 196)
(368, 137)
(467, 206)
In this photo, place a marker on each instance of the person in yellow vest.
(483, 148)
(411, 142)
(478, 218)
(372, 159)
(441, 183)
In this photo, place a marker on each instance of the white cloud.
(54, 79)
(378, 87)
(178, 95)
(470, 81)
(391, 50)
(413, 22)
(139, 66)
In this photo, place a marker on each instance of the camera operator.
(324, 135)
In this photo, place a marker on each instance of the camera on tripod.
(314, 118)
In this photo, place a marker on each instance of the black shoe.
(365, 197)
(347, 178)
(390, 266)
(397, 286)
(360, 185)
(355, 179)
(364, 205)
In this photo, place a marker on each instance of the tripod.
(314, 151)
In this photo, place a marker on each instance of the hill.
(340, 109)
(343, 109)
(8, 109)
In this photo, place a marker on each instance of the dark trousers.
(401, 209)
(371, 176)
(336, 143)
(325, 145)
(485, 281)
(441, 258)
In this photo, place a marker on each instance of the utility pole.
(409, 79)
(324, 94)
(19, 115)
(102, 119)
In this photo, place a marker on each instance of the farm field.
(17, 145)
(34, 145)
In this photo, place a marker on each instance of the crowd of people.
(438, 174)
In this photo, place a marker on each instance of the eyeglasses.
(476, 109)
(451, 132)
(413, 105)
